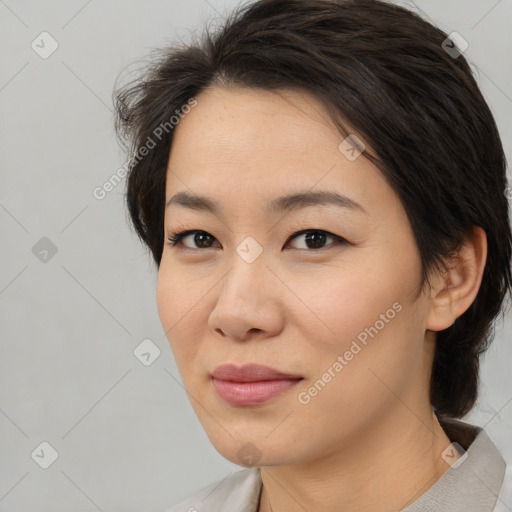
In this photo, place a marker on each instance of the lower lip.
(252, 393)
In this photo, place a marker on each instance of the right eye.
(200, 238)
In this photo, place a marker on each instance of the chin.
(253, 451)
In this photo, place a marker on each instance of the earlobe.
(455, 291)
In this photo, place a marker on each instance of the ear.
(454, 292)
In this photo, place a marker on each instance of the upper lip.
(250, 373)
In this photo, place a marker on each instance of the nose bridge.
(249, 250)
(247, 269)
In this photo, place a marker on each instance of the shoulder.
(504, 503)
(239, 491)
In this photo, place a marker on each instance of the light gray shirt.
(475, 483)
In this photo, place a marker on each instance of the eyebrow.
(281, 204)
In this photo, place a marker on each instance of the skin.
(369, 439)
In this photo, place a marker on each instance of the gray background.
(126, 436)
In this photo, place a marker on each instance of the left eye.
(314, 238)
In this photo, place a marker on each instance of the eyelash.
(175, 238)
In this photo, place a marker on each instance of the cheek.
(371, 362)
(166, 299)
(344, 306)
(178, 308)
(365, 316)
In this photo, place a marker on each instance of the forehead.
(248, 144)
(247, 119)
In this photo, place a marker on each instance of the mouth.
(251, 384)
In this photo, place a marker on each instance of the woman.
(322, 187)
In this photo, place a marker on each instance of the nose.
(247, 302)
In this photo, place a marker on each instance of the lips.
(250, 373)
(251, 384)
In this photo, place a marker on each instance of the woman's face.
(335, 308)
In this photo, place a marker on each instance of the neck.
(385, 468)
